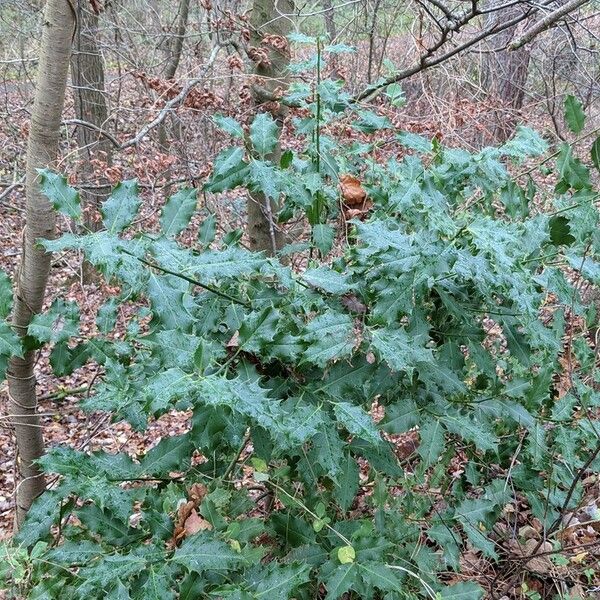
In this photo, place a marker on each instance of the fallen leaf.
(352, 190)
(195, 523)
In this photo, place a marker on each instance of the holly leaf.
(277, 582)
(327, 279)
(264, 134)
(6, 295)
(170, 454)
(121, 207)
(207, 230)
(63, 197)
(356, 421)
(341, 581)
(330, 335)
(229, 125)
(432, 441)
(10, 345)
(347, 483)
(574, 115)
(323, 237)
(399, 350)
(178, 211)
(466, 590)
(560, 231)
(203, 551)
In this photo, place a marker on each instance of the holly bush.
(444, 314)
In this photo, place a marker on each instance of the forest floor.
(64, 423)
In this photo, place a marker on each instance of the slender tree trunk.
(271, 76)
(31, 278)
(329, 17)
(174, 49)
(505, 75)
(372, 32)
(176, 43)
(95, 151)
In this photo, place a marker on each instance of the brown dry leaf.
(352, 190)
(195, 523)
(234, 342)
(538, 564)
(188, 521)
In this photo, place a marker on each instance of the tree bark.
(32, 275)
(329, 16)
(176, 43)
(505, 75)
(268, 19)
(95, 150)
(174, 50)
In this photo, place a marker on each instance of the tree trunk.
(174, 50)
(505, 75)
(176, 43)
(329, 17)
(32, 275)
(271, 77)
(372, 32)
(95, 150)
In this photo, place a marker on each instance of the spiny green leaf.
(327, 280)
(329, 336)
(574, 115)
(230, 125)
(560, 231)
(6, 295)
(58, 324)
(63, 197)
(347, 483)
(277, 582)
(203, 551)
(121, 207)
(170, 454)
(399, 350)
(178, 211)
(356, 421)
(264, 134)
(466, 590)
(341, 581)
(400, 416)
(207, 231)
(323, 237)
(432, 441)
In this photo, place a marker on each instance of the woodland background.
(148, 76)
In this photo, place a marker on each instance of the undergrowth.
(448, 312)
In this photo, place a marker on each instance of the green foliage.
(574, 115)
(177, 212)
(64, 198)
(280, 371)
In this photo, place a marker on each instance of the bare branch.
(115, 142)
(428, 59)
(543, 24)
(172, 103)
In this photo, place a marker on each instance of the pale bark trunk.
(264, 234)
(31, 278)
(95, 150)
(505, 76)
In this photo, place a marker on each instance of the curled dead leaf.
(352, 190)
(195, 523)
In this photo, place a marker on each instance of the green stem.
(204, 286)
